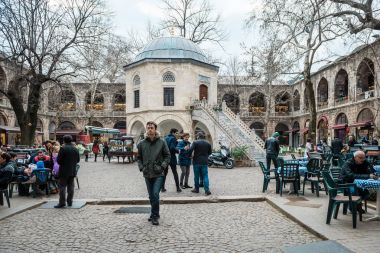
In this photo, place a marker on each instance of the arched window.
(282, 101)
(119, 101)
(283, 129)
(323, 93)
(296, 101)
(94, 101)
(68, 100)
(66, 125)
(365, 115)
(168, 77)
(341, 87)
(365, 79)
(232, 101)
(203, 92)
(341, 119)
(3, 120)
(95, 123)
(257, 103)
(136, 80)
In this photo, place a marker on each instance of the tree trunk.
(26, 119)
(268, 108)
(312, 107)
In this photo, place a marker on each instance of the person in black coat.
(68, 158)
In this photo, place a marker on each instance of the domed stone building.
(163, 80)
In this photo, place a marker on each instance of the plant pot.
(239, 163)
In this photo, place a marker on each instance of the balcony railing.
(282, 109)
(256, 111)
(323, 105)
(365, 95)
(119, 107)
(341, 100)
(97, 107)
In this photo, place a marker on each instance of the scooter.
(221, 158)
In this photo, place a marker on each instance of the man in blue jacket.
(171, 141)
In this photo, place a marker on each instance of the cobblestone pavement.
(224, 227)
(113, 180)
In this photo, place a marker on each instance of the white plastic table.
(371, 184)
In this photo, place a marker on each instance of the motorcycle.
(221, 158)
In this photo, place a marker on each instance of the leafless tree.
(41, 38)
(268, 63)
(359, 15)
(307, 26)
(195, 20)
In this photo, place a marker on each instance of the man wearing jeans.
(272, 147)
(201, 149)
(153, 157)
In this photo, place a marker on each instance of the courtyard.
(235, 226)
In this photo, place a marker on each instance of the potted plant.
(239, 154)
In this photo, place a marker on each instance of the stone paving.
(224, 227)
(112, 180)
(234, 226)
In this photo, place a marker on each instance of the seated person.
(6, 170)
(29, 171)
(41, 157)
(357, 168)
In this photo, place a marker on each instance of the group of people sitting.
(23, 171)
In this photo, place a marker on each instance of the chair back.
(289, 169)
(293, 156)
(330, 183)
(263, 168)
(335, 173)
(41, 177)
(313, 166)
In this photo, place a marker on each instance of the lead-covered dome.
(171, 48)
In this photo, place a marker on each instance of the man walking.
(153, 158)
(171, 141)
(272, 147)
(68, 158)
(201, 149)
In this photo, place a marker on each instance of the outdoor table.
(371, 184)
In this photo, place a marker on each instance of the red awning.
(359, 124)
(123, 131)
(339, 126)
(304, 130)
(68, 131)
(292, 130)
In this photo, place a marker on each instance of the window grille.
(168, 77)
(137, 98)
(136, 80)
(168, 96)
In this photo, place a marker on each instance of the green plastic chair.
(336, 199)
(267, 176)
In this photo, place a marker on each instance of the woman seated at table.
(358, 168)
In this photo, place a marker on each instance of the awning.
(10, 129)
(304, 130)
(67, 131)
(339, 126)
(101, 130)
(292, 130)
(360, 124)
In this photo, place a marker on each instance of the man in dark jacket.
(272, 147)
(68, 158)
(202, 150)
(336, 146)
(171, 141)
(153, 157)
(358, 168)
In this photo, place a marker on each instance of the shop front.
(364, 125)
(12, 136)
(341, 129)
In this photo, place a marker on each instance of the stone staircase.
(233, 128)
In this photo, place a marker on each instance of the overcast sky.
(135, 14)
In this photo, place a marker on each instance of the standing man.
(153, 158)
(171, 141)
(272, 147)
(68, 158)
(201, 149)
